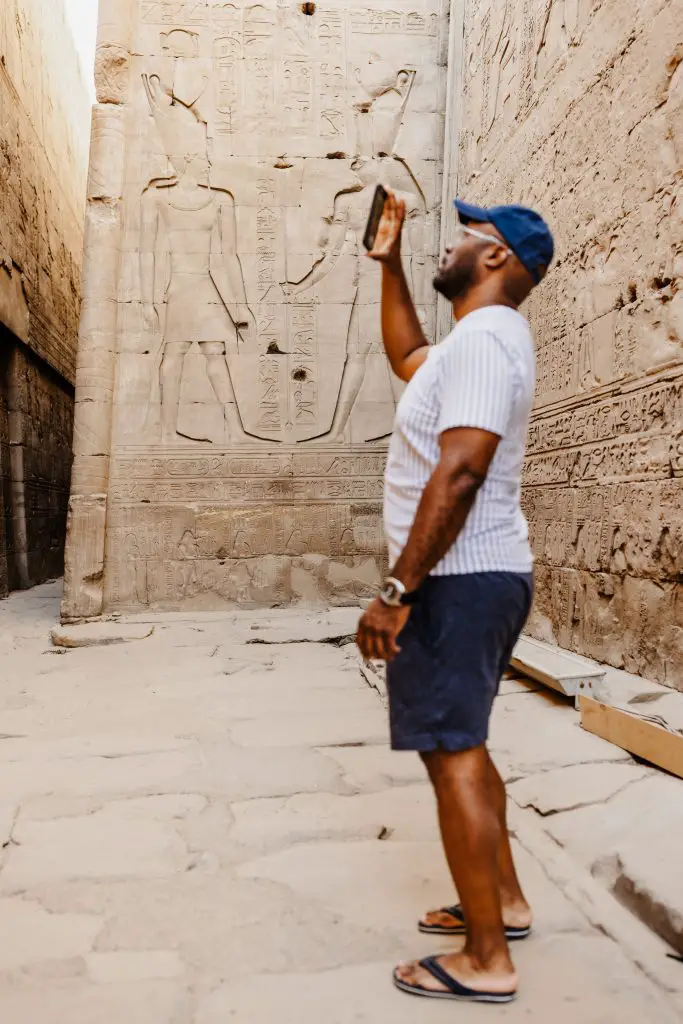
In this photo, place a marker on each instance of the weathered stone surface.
(145, 1002)
(122, 840)
(647, 878)
(545, 746)
(164, 876)
(545, 83)
(8, 813)
(109, 968)
(633, 843)
(575, 786)
(99, 634)
(301, 729)
(247, 467)
(45, 120)
(404, 814)
(376, 767)
(363, 993)
(29, 934)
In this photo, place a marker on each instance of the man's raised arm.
(404, 340)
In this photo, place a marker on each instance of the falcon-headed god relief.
(379, 114)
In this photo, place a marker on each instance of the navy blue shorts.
(454, 650)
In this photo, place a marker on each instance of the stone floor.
(205, 825)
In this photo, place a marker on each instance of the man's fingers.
(365, 641)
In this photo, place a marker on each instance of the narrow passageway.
(198, 827)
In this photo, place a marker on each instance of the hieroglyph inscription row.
(630, 528)
(648, 409)
(294, 478)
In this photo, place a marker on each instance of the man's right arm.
(404, 340)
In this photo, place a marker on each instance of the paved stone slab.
(575, 786)
(100, 776)
(376, 767)
(371, 883)
(402, 814)
(273, 625)
(540, 731)
(144, 1002)
(157, 855)
(247, 773)
(124, 839)
(633, 843)
(392, 882)
(222, 926)
(301, 729)
(648, 878)
(126, 966)
(8, 813)
(98, 745)
(564, 979)
(29, 934)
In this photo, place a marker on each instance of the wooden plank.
(645, 739)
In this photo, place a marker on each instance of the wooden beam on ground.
(632, 732)
(560, 670)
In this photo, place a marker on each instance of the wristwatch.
(393, 594)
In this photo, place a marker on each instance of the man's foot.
(464, 979)
(451, 921)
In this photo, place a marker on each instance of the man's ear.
(496, 257)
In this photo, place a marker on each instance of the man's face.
(459, 265)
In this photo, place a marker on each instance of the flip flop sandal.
(456, 991)
(512, 934)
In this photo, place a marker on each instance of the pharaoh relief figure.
(379, 113)
(189, 243)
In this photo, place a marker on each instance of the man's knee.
(454, 768)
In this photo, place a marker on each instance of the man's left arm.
(477, 386)
(466, 455)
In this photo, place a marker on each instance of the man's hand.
(387, 247)
(378, 629)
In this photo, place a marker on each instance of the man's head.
(505, 249)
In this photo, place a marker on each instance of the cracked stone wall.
(44, 121)
(575, 107)
(233, 403)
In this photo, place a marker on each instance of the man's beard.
(453, 282)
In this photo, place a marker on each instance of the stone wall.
(576, 107)
(44, 120)
(233, 402)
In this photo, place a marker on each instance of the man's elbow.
(462, 480)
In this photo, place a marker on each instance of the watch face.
(391, 593)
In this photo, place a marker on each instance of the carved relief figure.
(379, 115)
(204, 286)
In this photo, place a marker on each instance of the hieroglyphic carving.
(248, 317)
(382, 98)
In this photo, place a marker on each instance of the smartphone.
(376, 211)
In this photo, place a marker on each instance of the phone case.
(376, 210)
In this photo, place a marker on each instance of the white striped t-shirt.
(482, 375)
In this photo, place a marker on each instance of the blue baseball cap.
(523, 229)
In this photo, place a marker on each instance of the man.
(460, 587)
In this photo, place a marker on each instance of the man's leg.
(471, 833)
(516, 910)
